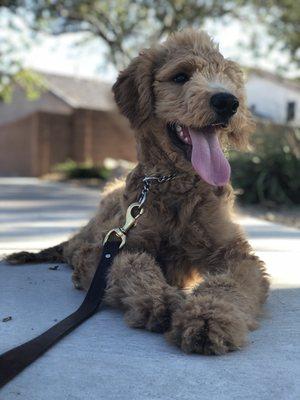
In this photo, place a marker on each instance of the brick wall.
(32, 145)
(17, 155)
(97, 135)
(54, 140)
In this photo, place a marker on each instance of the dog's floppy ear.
(133, 89)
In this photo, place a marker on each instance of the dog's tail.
(52, 254)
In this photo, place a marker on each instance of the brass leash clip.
(129, 223)
(136, 208)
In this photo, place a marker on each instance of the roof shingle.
(81, 93)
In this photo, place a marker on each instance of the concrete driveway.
(104, 359)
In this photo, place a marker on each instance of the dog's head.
(187, 98)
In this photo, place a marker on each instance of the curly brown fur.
(187, 268)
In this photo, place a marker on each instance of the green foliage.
(123, 25)
(30, 81)
(270, 174)
(282, 20)
(13, 43)
(72, 170)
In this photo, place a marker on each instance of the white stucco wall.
(270, 99)
(20, 106)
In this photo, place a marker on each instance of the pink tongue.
(208, 159)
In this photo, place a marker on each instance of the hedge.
(269, 174)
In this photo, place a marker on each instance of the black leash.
(17, 359)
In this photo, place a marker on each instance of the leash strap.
(15, 360)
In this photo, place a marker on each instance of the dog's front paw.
(151, 313)
(206, 325)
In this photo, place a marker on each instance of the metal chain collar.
(135, 210)
(148, 180)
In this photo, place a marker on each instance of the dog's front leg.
(136, 284)
(216, 317)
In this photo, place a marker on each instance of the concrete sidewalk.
(103, 359)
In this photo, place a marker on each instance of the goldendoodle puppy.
(186, 268)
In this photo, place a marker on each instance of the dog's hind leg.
(61, 253)
(136, 284)
(218, 314)
(51, 254)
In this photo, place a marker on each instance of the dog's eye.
(180, 78)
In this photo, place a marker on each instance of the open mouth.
(201, 146)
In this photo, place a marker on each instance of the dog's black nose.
(224, 104)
